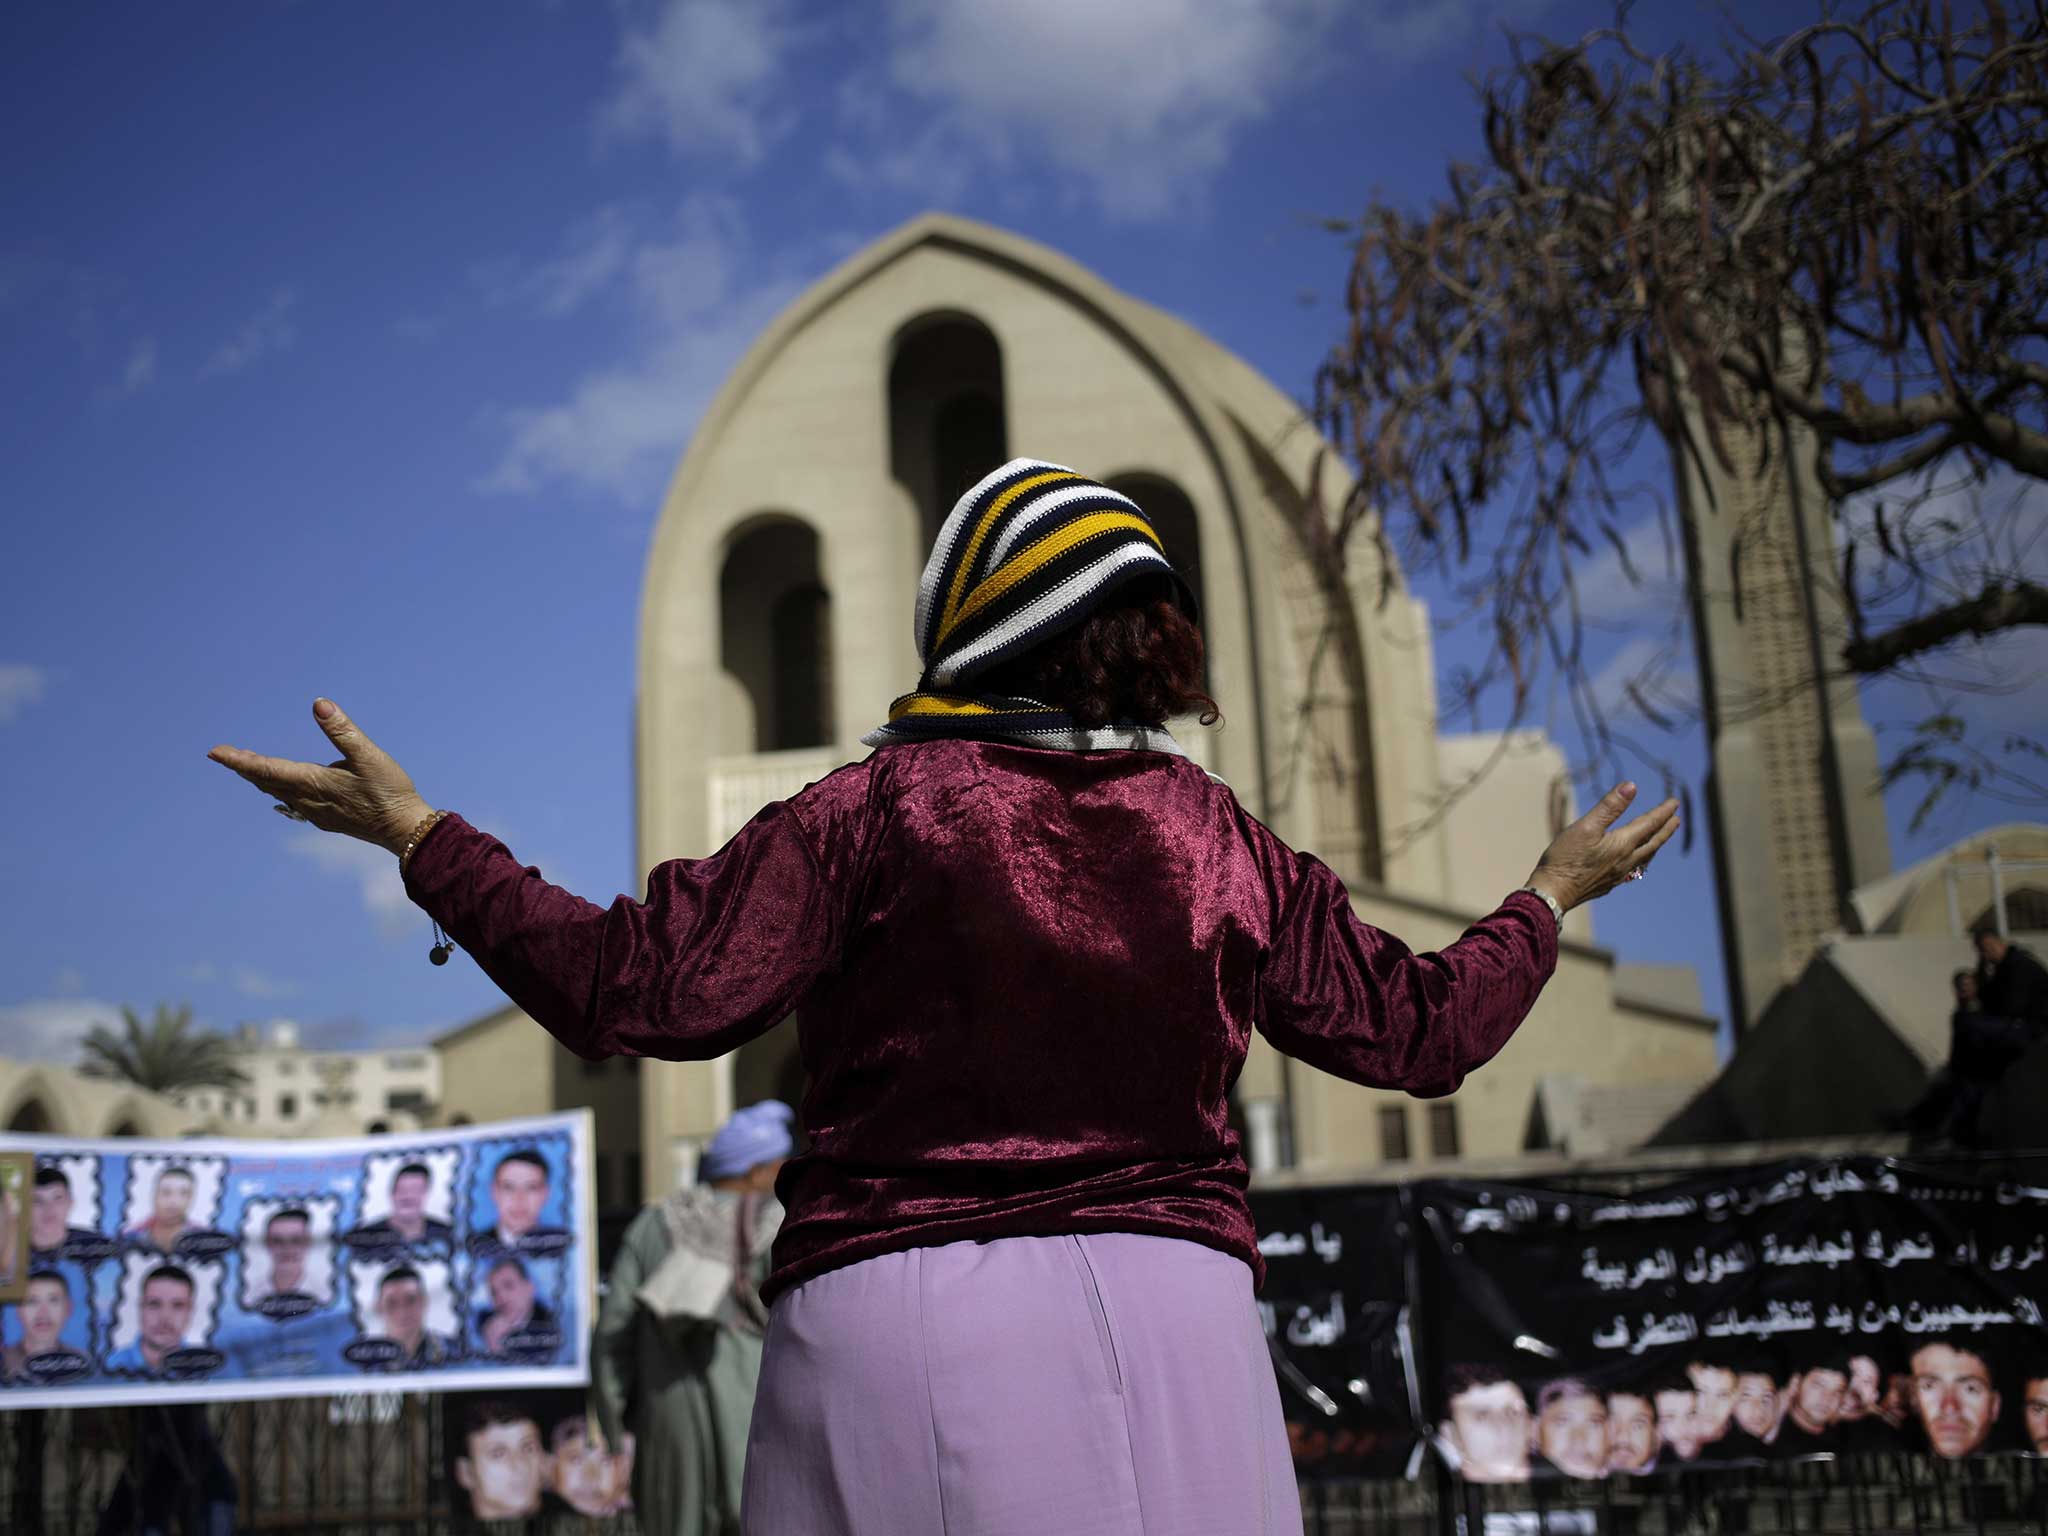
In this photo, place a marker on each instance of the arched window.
(1172, 516)
(946, 414)
(2026, 911)
(1170, 512)
(775, 634)
(32, 1118)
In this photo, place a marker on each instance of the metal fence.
(354, 1466)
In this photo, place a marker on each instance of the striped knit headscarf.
(1027, 554)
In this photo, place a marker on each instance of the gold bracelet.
(412, 841)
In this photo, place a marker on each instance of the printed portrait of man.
(170, 1208)
(50, 1233)
(588, 1478)
(517, 1321)
(13, 1224)
(1954, 1397)
(164, 1313)
(1571, 1428)
(519, 1193)
(42, 1312)
(1632, 1442)
(502, 1466)
(1676, 1401)
(2035, 1402)
(407, 1222)
(1816, 1395)
(402, 1317)
(1713, 1400)
(1758, 1404)
(288, 1239)
(1866, 1421)
(1487, 1429)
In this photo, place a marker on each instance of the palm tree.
(165, 1055)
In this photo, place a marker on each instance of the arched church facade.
(775, 629)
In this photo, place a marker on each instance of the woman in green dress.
(678, 1346)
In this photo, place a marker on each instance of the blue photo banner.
(214, 1269)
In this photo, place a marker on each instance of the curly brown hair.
(1135, 659)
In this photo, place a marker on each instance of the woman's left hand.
(362, 794)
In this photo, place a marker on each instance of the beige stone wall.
(500, 1067)
(1575, 1026)
(1797, 814)
(57, 1101)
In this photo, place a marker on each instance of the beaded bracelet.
(412, 840)
(1548, 900)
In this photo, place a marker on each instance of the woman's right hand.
(1591, 856)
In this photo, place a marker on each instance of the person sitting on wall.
(2011, 982)
(1984, 1038)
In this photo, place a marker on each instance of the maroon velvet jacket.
(1025, 981)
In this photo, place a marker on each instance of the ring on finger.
(284, 810)
(1634, 874)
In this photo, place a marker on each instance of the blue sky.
(352, 347)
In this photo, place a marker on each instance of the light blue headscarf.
(757, 1134)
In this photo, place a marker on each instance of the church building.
(775, 629)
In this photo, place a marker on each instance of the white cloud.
(271, 329)
(374, 871)
(696, 304)
(53, 1028)
(251, 982)
(1662, 672)
(592, 256)
(140, 372)
(20, 686)
(706, 76)
(1141, 101)
(1606, 590)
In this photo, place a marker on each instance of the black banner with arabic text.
(1791, 1310)
(1334, 1314)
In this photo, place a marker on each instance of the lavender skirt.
(1107, 1385)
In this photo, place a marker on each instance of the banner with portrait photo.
(1800, 1309)
(207, 1269)
(519, 1455)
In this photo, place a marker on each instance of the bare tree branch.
(1846, 221)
